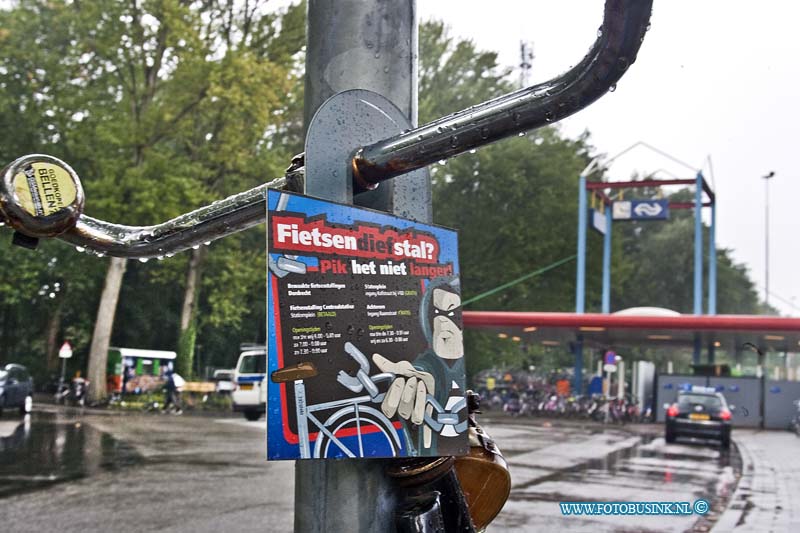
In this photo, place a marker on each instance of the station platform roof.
(726, 332)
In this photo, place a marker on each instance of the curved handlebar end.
(40, 196)
(354, 384)
(356, 354)
(619, 39)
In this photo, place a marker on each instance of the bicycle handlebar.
(363, 381)
(619, 38)
(618, 42)
(201, 226)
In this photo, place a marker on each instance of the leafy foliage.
(161, 106)
(515, 206)
(164, 105)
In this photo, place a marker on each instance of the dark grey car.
(16, 389)
(702, 413)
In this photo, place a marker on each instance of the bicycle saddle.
(293, 373)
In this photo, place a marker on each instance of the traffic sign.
(598, 221)
(609, 368)
(610, 358)
(66, 351)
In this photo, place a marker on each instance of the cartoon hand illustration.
(407, 393)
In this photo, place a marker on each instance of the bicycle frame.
(304, 415)
(436, 419)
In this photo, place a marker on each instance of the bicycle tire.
(345, 418)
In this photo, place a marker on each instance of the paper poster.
(365, 352)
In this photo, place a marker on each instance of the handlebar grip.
(40, 196)
(354, 384)
(356, 354)
(368, 384)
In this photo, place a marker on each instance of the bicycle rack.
(619, 38)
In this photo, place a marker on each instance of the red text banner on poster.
(314, 236)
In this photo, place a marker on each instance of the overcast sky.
(714, 78)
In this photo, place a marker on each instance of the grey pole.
(766, 236)
(63, 374)
(357, 44)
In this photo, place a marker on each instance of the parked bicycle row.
(548, 404)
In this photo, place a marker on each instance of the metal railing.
(619, 38)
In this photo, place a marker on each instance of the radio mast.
(525, 63)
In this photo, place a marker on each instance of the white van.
(250, 390)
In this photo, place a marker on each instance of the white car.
(224, 381)
(249, 389)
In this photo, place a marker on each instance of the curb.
(105, 411)
(739, 503)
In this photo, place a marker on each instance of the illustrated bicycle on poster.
(341, 434)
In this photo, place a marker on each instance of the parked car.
(700, 412)
(224, 381)
(16, 389)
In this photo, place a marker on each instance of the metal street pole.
(608, 395)
(606, 294)
(766, 236)
(63, 374)
(698, 251)
(372, 45)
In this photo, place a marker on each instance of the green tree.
(46, 297)
(514, 202)
(234, 133)
(515, 206)
(160, 105)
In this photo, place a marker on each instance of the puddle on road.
(43, 449)
(651, 470)
(623, 463)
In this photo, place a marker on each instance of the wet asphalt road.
(551, 465)
(147, 472)
(143, 473)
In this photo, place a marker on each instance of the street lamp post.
(766, 236)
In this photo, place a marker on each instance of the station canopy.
(641, 327)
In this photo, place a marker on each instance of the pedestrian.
(173, 384)
(127, 374)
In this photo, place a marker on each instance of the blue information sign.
(365, 353)
(640, 210)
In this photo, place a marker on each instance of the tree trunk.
(188, 329)
(51, 349)
(101, 338)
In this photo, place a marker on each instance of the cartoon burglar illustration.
(428, 393)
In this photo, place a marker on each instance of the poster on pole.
(365, 353)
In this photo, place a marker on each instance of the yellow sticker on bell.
(44, 188)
